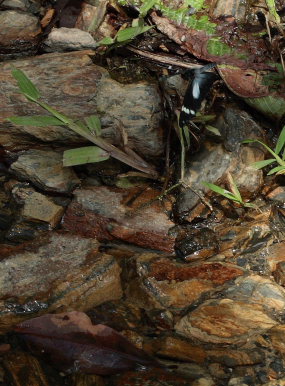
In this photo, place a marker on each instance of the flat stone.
(68, 39)
(125, 214)
(57, 273)
(19, 34)
(177, 286)
(258, 290)
(78, 88)
(37, 207)
(176, 348)
(225, 322)
(277, 195)
(44, 168)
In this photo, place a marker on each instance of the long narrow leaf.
(219, 190)
(277, 170)
(25, 84)
(278, 159)
(280, 142)
(148, 4)
(94, 124)
(262, 164)
(84, 155)
(36, 120)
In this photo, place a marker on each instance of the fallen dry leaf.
(73, 344)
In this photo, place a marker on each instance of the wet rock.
(37, 277)
(225, 321)
(193, 244)
(37, 207)
(24, 369)
(151, 377)
(279, 274)
(45, 170)
(125, 214)
(78, 88)
(238, 357)
(176, 348)
(214, 160)
(68, 39)
(176, 286)
(235, 126)
(277, 195)
(258, 290)
(19, 34)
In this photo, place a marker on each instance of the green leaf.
(277, 170)
(280, 142)
(107, 41)
(262, 164)
(25, 84)
(148, 4)
(94, 124)
(221, 191)
(131, 32)
(84, 155)
(213, 130)
(276, 156)
(272, 10)
(36, 120)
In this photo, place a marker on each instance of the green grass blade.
(94, 124)
(278, 159)
(36, 120)
(148, 4)
(262, 164)
(280, 142)
(278, 169)
(186, 136)
(25, 84)
(84, 155)
(224, 192)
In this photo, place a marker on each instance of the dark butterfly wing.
(195, 94)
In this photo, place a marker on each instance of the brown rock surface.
(57, 273)
(44, 168)
(176, 286)
(113, 213)
(225, 321)
(78, 88)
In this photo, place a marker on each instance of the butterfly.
(196, 92)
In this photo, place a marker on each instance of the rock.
(258, 290)
(23, 368)
(93, 19)
(109, 213)
(177, 286)
(225, 322)
(55, 274)
(151, 377)
(175, 348)
(19, 34)
(277, 195)
(37, 207)
(45, 169)
(78, 88)
(233, 358)
(68, 39)
(213, 162)
(279, 273)
(235, 126)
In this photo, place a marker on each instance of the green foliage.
(90, 130)
(233, 195)
(278, 153)
(84, 155)
(124, 36)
